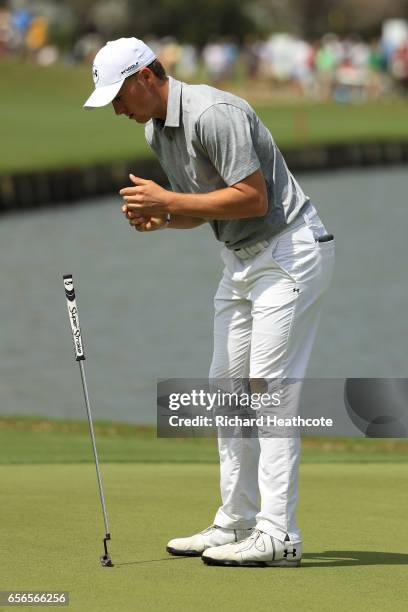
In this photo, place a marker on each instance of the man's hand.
(146, 198)
(144, 223)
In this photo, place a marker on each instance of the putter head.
(106, 561)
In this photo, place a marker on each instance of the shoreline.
(42, 188)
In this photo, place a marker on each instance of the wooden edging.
(66, 185)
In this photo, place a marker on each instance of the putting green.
(353, 519)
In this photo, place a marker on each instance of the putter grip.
(73, 317)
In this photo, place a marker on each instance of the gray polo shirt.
(212, 139)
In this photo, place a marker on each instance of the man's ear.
(145, 75)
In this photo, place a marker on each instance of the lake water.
(145, 301)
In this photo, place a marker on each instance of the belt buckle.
(251, 251)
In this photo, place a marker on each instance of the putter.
(73, 315)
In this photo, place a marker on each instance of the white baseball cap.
(117, 60)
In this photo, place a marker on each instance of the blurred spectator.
(250, 56)
(326, 59)
(376, 70)
(219, 58)
(394, 35)
(399, 66)
(5, 31)
(188, 61)
(87, 46)
(303, 70)
(169, 53)
(37, 34)
(20, 22)
(280, 52)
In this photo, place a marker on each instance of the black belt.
(325, 238)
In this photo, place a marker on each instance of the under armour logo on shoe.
(295, 290)
(287, 552)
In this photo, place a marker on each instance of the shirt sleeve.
(225, 133)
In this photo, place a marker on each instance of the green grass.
(44, 125)
(352, 510)
(299, 125)
(39, 440)
(352, 519)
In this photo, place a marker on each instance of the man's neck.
(163, 95)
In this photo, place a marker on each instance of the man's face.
(136, 97)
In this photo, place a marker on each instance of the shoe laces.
(254, 535)
(209, 529)
(251, 539)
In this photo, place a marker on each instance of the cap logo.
(129, 68)
(95, 74)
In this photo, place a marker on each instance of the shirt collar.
(173, 103)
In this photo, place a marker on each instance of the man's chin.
(140, 119)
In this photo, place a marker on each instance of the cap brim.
(102, 95)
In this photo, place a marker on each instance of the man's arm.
(150, 224)
(185, 222)
(247, 198)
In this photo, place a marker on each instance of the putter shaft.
(95, 452)
(80, 357)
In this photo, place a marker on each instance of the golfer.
(225, 169)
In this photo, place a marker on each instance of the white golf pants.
(267, 310)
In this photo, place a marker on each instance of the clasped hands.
(145, 205)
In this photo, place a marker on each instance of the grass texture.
(44, 125)
(353, 519)
(43, 440)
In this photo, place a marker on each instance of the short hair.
(158, 70)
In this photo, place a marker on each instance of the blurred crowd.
(345, 69)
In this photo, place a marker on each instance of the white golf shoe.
(259, 550)
(211, 537)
